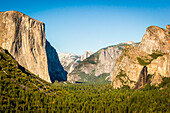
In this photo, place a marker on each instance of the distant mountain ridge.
(24, 38)
(70, 61)
(129, 42)
(98, 66)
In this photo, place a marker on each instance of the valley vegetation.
(87, 98)
(22, 91)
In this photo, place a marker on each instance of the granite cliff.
(147, 63)
(24, 38)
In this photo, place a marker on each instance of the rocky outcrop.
(159, 68)
(156, 39)
(129, 42)
(154, 72)
(128, 64)
(147, 63)
(86, 55)
(101, 62)
(24, 38)
(69, 61)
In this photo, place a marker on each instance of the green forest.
(22, 91)
(86, 98)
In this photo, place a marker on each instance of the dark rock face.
(143, 78)
(55, 68)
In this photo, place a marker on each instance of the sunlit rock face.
(24, 38)
(159, 67)
(151, 54)
(156, 39)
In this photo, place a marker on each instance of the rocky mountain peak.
(70, 61)
(15, 13)
(86, 55)
(129, 42)
(155, 39)
(147, 61)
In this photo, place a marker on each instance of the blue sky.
(74, 26)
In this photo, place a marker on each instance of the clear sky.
(74, 26)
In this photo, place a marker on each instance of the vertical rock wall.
(24, 38)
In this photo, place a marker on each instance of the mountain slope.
(98, 65)
(22, 91)
(12, 73)
(24, 38)
(148, 63)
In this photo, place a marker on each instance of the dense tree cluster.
(84, 98)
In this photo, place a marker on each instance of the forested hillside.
(20, 90)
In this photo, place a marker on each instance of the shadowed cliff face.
(24, 38)
(55, 68)
(143, 78)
